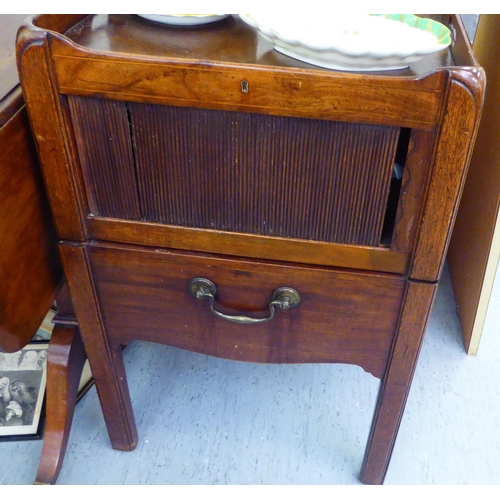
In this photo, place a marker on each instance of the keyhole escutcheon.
(244, 87)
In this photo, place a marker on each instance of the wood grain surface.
(475, 245)
(347, 317)
(29, 265)
(156, 234)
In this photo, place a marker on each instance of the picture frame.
(86, 381)
(44, 332)
(23, 381)
(22, 410)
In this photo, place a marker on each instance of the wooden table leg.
(396, 382)
(65, 361)
(106, 360)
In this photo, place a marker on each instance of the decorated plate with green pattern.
(354, 43)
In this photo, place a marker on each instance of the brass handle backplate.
(283, 298)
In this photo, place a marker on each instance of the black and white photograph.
(22, 389)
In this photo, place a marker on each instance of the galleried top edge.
(229, 42)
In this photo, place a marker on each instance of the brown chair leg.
(65, 361)
(397, 381)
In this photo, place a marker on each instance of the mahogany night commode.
(177, 154)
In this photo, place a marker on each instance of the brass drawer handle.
(284, 298)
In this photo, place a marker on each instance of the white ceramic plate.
(184, 19)
(354, 43)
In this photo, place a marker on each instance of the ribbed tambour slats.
(270, 175)
(290, 177)
(104, 148)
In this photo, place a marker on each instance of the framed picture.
(44, 334)
(23, 379)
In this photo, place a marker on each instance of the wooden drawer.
(347, 317)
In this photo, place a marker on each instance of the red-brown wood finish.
(396, 382)
(105, 359)
(412, 190)
(258, 246)
(160, 169)
(65, 361)
(52, 147)
(343, 316)
(30, 269)
(276, 176)
(457, 135)
(29, 266)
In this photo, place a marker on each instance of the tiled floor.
(204, 420)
